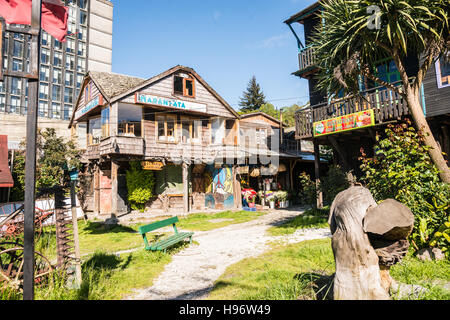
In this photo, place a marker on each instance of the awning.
(6, 180)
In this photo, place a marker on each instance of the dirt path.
(192, 272)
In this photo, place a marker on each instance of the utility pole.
(30, 163)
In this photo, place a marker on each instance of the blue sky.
(226, 42)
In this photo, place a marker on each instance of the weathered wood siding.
(122, 145)
(94, 93)
(437, 100)
(164, 88)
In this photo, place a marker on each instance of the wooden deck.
(387, 106)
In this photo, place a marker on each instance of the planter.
(272, 204)
(287, 203)
(282, 204)
(251, 204)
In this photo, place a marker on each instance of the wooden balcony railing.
(387, 105)
(306, 58)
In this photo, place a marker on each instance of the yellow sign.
(344, 123)
(152, 165)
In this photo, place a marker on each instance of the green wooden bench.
(167, 242)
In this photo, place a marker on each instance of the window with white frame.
(43, 91)
(443, 73)
(57, 76)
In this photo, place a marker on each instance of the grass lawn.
(312, 218)
(287, 273)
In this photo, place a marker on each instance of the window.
(2, 103)
(45, 39)
(2, 87)
(45, 56)
(57, 59)
(81, 49)
(71, 29)
(70, 62)
(17, 65)
(190, 130)
(82, 35)
(79, 80)
(16, 85)
(15, 105)
(57, 76)
(70, 46)
(43, 108)
(184, 86)
(83, 4)
(105, 122)
(130, 117)
(18, 49)
(58, 45)
(44, 75)
(56, 110)
(83, 17)
(217, 131)
(261, 136)
(166, 126)
(95, 131)
(81, 65)
(43, 91)
(67, 111)
(443, 73)
(68, 95)
(56, 92)
(69, 78)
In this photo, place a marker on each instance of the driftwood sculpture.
(366, 235)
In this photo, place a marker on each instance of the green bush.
(332, 183)
(308, 192)
(140, 185)
(402, 169)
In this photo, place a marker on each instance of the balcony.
(306, 61)
(387, 106)
(122, 145)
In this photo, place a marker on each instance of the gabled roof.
(167, 73)
(298, 17)
(109, 84)
(254, 114)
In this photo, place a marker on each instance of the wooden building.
(176, 125)
(322, 121)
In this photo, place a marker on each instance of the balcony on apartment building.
(307, 62)
(387, 106)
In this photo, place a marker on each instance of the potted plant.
(282, 197)
(272, 198)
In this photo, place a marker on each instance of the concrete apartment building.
(63, 65)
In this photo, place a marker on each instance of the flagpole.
(30, 163)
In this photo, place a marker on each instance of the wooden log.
(357, 274)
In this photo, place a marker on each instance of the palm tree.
(358, 33)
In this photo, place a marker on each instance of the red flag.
(54, 15)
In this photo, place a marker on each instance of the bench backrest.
(157, 225)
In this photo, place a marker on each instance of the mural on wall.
(219, 191)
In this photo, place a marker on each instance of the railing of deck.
(387, 105)
(306, 58)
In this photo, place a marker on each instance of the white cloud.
(274, 41)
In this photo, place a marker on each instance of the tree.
(358, 34)
(253, 98)
(55, 157)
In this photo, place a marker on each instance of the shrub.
(402, 169)
(308, 192)
(332, 183)
(140, 185)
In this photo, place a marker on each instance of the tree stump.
(367, 240)
(357, 274)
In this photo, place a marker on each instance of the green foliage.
(402, 169)
(332, 183)
(253, 98)
(140, 184)
(349, 44)
(308, 192)
(55, 157)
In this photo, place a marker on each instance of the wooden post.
(236, 190)
(445, 141)
(30, 163)
(96, 189)
(317, 173)
(76, 241)
(114, 186)
(343, 156)
(185, 188)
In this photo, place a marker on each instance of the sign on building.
(347, 122)
(144, 98)
(152, 165)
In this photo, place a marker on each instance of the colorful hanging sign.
(152, 165)
(347, 122)
(91, 105)
(168, 102)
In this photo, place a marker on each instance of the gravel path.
(192, 272)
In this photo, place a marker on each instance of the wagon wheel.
(11, 264)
